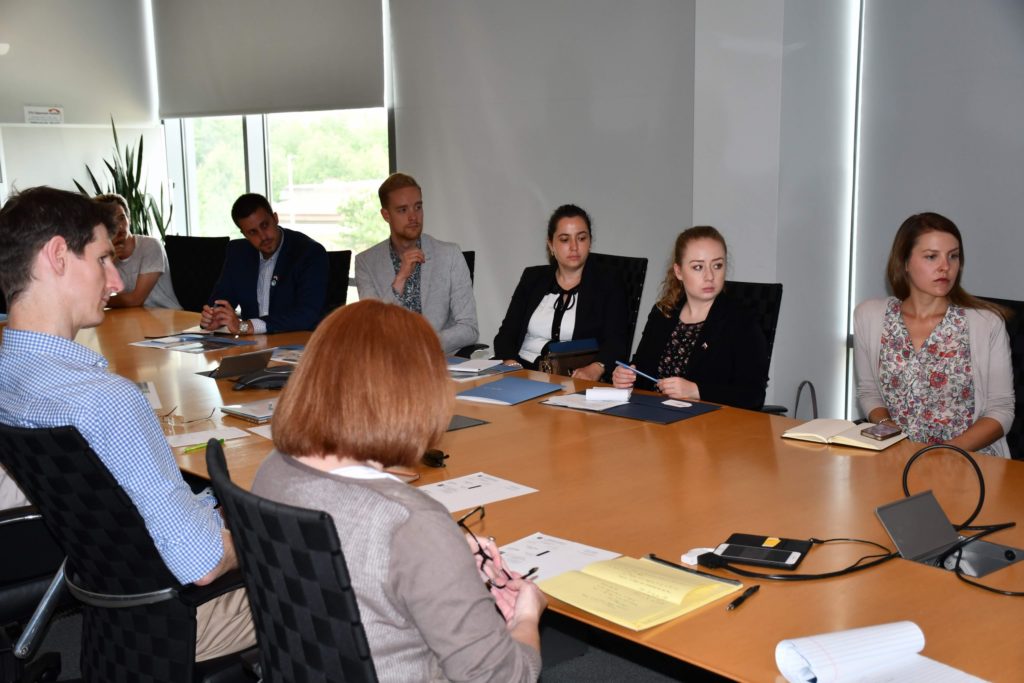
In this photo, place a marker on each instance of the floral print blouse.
(929, 392)
(678, 349)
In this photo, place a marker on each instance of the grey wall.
(93, 58)
(506, 110)
(943, 130)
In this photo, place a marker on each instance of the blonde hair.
(372, 385)
(671, 287)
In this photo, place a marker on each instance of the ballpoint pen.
(642, 374)
(740, 600)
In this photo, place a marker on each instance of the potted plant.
(126, 180)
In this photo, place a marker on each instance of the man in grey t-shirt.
(141, 262)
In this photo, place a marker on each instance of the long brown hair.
(372, 385)
(899, 255)
(671, 287)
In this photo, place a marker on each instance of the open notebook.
(841, 432)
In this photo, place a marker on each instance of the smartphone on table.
(880, 432)
(765, 557)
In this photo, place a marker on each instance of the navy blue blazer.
(297, 292)
(602, 312)
(729, 363)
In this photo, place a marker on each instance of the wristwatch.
(244, 327)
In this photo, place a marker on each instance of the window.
(325, 168)
(218, 163)
(320, 171)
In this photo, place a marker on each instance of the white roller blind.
(256, 56)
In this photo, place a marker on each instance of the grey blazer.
(445, 287)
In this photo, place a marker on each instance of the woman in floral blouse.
(698, 342)
(933, 359)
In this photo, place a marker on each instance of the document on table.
(580, 402)
(551, 555)
(192, 343)
(288, 354)
(262, 430)
(636, 594)
(196, 438)
(148, 390)
(471, 490)
(889, 652)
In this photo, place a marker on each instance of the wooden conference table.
(636, 488)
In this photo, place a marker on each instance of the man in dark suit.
(277, 276)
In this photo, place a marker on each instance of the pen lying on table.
(200, 446)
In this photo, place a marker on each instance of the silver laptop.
(919, 528)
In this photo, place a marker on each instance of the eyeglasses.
(485, 557)
(435, 458)
(171, 418)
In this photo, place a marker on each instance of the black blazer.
(729, 363)
(297, 292)
(601, 313)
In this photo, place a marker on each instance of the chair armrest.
(20, 514)
(196, 595)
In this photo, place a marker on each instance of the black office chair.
(307, 619)
(763, 299)
(31, 557)
(470, 257)
(633, 271)
(138, 621)
(1015, 330)
(195, 264)
(337, 279)
(467, 351)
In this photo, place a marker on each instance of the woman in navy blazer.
(701, 343)
(564, 300)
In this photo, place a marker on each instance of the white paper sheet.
(551, 555)
(608, 394)
(580, 402)
(474, 366)
(475, 489)
(262, 430)
(888, 652)
(195, 438)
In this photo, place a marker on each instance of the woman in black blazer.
(567, 299)
(701, 343)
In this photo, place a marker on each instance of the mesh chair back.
(109, 551)
(633, 271)
(307, 619)
(195, 264)
(1015, 329)
(763, 299)
(470, 257)
(337, 279)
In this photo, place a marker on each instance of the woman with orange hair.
(372, 391)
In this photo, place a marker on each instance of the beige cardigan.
(990, 361)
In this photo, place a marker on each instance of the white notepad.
(889, 652)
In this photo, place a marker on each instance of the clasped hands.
(221, 314)
(518, 599)
(673, 387)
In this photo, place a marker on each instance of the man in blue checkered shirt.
(57, 271)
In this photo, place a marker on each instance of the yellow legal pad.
(636, 594)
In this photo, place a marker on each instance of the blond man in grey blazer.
(416, 271)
